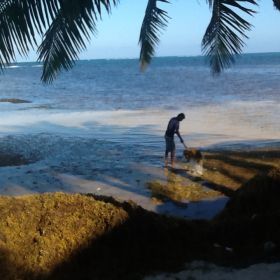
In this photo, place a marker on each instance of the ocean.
(171, 83)
(110, 98)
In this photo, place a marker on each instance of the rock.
(14, 100)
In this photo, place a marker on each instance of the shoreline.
(52, 163)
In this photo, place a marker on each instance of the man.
(172, 128)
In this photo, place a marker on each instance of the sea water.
(170, 83)
(113, 99)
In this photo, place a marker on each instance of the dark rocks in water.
(14, 100)
(9, 159)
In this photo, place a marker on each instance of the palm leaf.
(277, 4)
(14, 33)
(67, 24)
(66, 36)
(223, 38)
(154, 21)
(19, 21)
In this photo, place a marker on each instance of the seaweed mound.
(258, 196)
(73, 236)
(40, 231)
(250, 222)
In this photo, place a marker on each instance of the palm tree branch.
(276, 4)
(224, 35)
(19, 21)
(66, 36)
(155, 21)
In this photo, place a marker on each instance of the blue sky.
(118, 33)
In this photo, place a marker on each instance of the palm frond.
(67, 24)
(223, 38)
(19, 21)
(154, 21)
(277, 4)
(66, 37)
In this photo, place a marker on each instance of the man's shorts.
(170, 144)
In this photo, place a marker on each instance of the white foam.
(13, 66)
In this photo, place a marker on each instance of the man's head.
(180, 117)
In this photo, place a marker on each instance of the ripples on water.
(168, 84)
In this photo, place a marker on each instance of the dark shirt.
(172, 128)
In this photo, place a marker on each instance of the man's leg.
(167, 150)
(173, 153)
(166, 158)
(173, 157)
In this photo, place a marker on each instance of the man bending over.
(172, 129)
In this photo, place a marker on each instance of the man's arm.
(179, 135)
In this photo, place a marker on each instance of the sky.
(118, 33)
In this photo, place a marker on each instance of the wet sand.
(48, 163)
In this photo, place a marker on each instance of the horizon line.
(155, 57)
